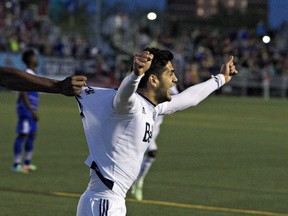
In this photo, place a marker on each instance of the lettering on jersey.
(143, 110)
(89, 90)
(148, 133)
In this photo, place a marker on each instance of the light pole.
(98, 24)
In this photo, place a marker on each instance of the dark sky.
(278, 12)
(158, 4)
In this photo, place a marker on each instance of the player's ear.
(153, 80)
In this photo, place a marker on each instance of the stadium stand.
(198, 53)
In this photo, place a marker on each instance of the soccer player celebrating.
(119, 125)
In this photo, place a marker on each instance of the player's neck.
(149, 96)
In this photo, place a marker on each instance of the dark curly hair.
(27, 55)
(160, 60)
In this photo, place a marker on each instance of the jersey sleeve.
(125, 97)
(192, 95)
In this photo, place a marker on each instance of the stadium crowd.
(23, 25)
(198, 54)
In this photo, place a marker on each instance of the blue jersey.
(33, 98)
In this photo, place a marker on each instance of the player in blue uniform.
(27, 106)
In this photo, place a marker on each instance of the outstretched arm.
(17, 80)
(195, 94)
(123, 100)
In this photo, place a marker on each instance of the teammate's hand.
(228, 69)
(72, 85)
(142, 62)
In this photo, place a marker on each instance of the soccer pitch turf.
(227, 156)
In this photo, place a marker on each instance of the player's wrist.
(219, 79)
(135, 76)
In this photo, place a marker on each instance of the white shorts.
(91, 205)
(98, 200)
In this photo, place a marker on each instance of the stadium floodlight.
(8, 4)
(151, 16)
(266, 39)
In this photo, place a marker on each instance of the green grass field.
(227, 156)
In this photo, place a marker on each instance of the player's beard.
(163, 95)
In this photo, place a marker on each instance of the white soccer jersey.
(156, 128)
(118, 125)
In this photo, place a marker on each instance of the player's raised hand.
(142, 62)
(228, 69)
(72, 85)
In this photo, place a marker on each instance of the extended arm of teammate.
(17, 80)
